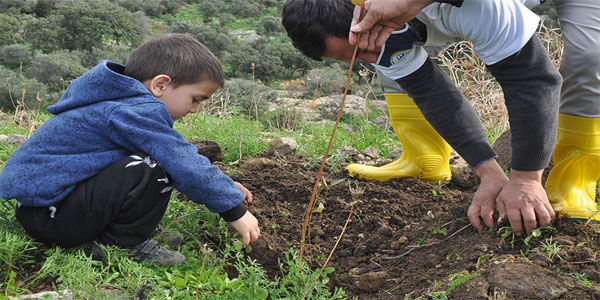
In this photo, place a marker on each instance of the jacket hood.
(104, 82)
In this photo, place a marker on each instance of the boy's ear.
(158, 84)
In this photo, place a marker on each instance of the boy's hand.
(247, 194)
(247, 227)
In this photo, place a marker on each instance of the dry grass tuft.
(481, 90)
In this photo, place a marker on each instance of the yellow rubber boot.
(571, 185)
(425, 153)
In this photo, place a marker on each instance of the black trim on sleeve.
(235, 213)
(457, 3)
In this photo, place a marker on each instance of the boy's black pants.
(122, 205)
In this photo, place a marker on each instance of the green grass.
(202, 277)
(190, 13)
(204, 274)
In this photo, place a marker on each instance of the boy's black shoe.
(146, 251)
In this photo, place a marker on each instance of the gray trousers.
(580, 66)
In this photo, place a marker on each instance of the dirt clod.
(372, 281)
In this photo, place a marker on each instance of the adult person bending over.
(514, 56)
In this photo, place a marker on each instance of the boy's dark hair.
(309, 22)
(180, 56)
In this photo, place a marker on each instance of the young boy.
(503, 34)
(102, 169)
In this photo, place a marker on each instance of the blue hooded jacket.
(103, 117)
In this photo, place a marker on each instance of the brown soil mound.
(407, 238)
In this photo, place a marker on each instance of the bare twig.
(320, 173)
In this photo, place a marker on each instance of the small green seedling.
(550, 249)
(441, 231)
(483, 259)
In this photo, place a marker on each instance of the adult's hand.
(492, 180)
(524, 200)
(387, 14)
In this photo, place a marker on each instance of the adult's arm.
(531, 86)
(448, 112)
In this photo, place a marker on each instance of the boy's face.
(185, 98)
(340, 49)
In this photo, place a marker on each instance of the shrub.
(8, 27)
(270, 25)
(15, 56)
(24, 6)
(83, 25)
(217, 42)
(251, 98)
(15, 87)
(89, 59)
(56, 70)
(156, 8)
(260, 55)
(246, 8)
(326, 81)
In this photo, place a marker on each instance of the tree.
(83, 25)
(43, 33)
(25, 6)
(246, 8)
(56, 70)
(270, 25)
(8, 27)
(266, 66)
(293, 61)
(210, 10)
(217, 42)
(44, 7)
(16, 88)
(15, 56)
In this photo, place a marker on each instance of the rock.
(540, 259)
(520, 279)
(357, 271)
(397, 244)
(462, 174)
(210, 149)
(382, 121)
(360, 250)
(245, 35)
(16, 139)
(385, 230)
(3, 138)
(395, 154)
(371, 152)
(372, 281)
(347, 151)
(282, 146)
(259, 163)
(49, 295)
(329, 106)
